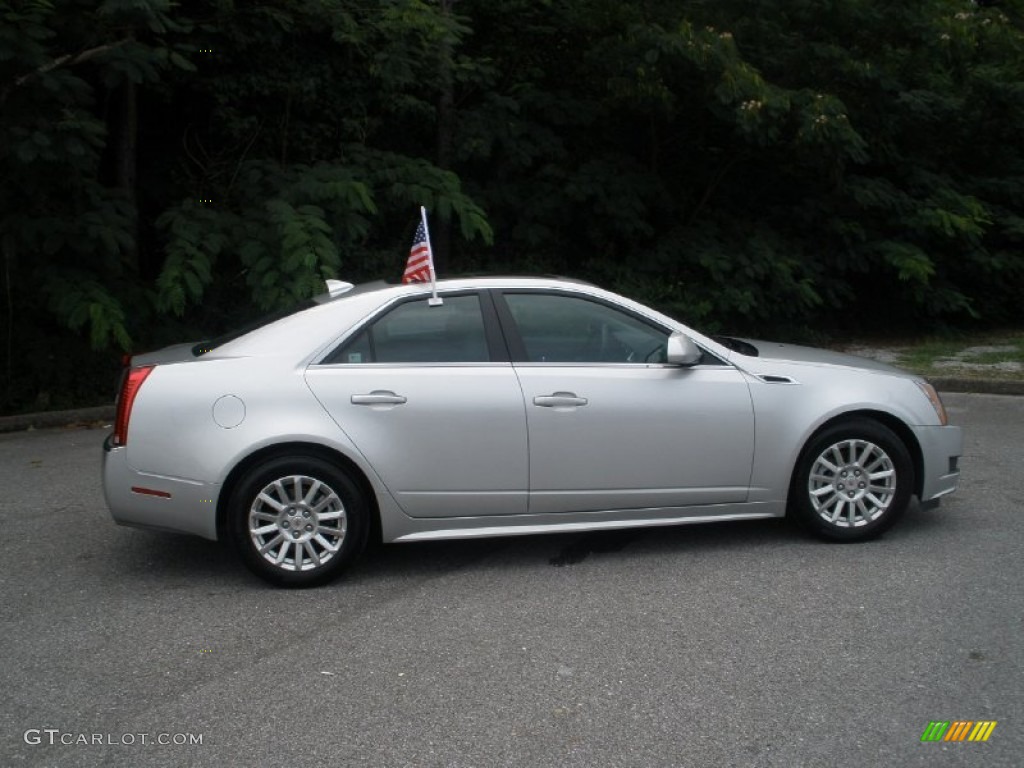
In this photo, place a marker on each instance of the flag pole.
(434, 299)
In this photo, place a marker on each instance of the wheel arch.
(296, 448)
(894, 423)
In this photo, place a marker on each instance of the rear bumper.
(157, 502)
(941, 448)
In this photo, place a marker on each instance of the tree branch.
(70, 60)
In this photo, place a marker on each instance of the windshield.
(737, 345)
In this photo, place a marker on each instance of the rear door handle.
(559, 400)
(379, 397)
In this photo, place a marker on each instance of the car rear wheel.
(298, 521)
(853, 481)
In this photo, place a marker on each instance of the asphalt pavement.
(743, 644)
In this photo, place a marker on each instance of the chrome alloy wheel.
(297, 523)
(852, 483)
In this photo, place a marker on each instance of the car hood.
(770, 351)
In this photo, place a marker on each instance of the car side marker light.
(150, 492)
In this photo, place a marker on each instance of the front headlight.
(934, 399)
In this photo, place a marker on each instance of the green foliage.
(285, 229)
(66, 232)
(80, 301)
(789, 164)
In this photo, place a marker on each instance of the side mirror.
(681, 350)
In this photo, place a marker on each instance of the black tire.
(298, 521)
(853, 481)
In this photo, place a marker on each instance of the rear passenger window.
(414, 332)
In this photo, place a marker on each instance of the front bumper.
(941, 449)
(157, 502)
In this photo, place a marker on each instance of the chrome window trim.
(478, 364)
(629, 366)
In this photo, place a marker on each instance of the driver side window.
(567, 329)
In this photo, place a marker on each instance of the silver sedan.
(506, 406)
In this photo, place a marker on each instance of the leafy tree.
(744, 163)
(786, 165)
(67, 214)
(300, 163)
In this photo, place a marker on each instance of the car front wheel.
(853, 481)
(298, 521)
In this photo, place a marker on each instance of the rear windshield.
(203, 347)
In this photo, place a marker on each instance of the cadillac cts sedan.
(506, 406)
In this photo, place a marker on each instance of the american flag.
(417, 268)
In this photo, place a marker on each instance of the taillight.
(130, 385)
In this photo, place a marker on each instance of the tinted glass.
(206, 346)
(414, 332)
(566, 329)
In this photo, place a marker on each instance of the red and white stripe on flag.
(417, 268)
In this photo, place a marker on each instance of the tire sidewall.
(862, 429)
(257, 478)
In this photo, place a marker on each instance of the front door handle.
(559, 400)
(379, 397)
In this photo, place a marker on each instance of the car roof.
(460, 282)
(330, 317)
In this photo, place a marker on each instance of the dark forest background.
(808, 169)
